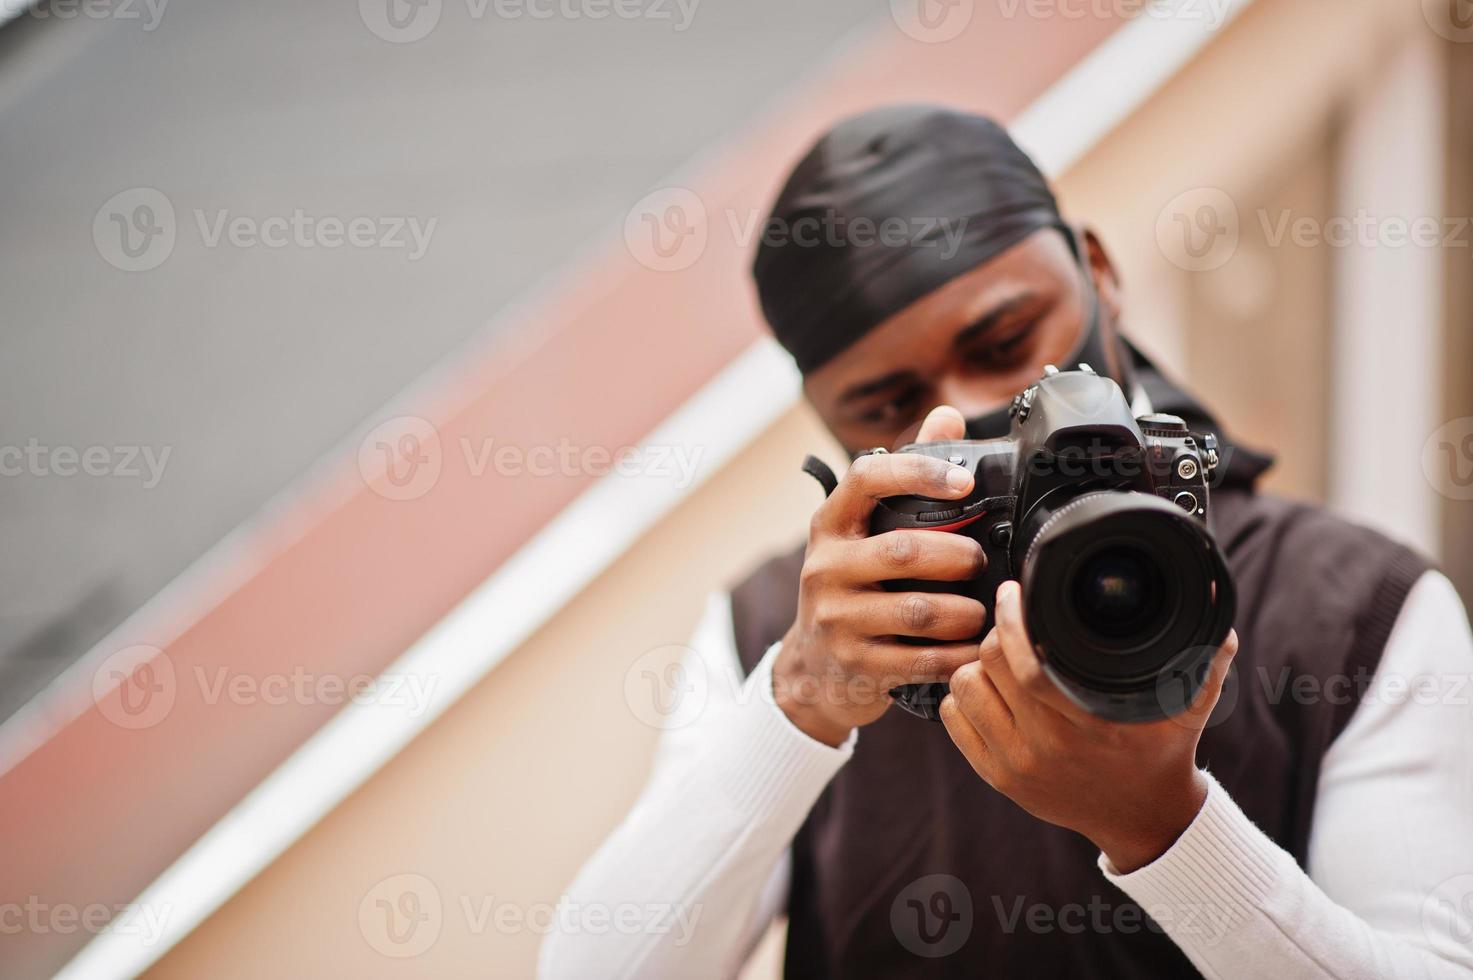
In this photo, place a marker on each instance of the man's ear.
(1106, 279)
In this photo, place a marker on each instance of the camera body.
(1102, 518)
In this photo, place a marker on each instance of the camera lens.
(1121, 588)
(1118, 591)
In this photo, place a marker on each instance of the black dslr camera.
(1102, 518)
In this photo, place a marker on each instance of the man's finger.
(1014, 666)
(1217, 673)
(970, 741)
(935, 615)
(892, 663)
(979, 699)
(944, 423)
(933, 556)
(871, 478)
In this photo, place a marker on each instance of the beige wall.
(1253, 336)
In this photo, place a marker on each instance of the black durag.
(885, 208)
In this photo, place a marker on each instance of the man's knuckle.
(918, 612)
(900, 550)
(817, 570)
(818, 524)
(926, 663)
(826, 614)
(976, 555)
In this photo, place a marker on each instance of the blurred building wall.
(500, 800)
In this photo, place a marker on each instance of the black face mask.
(1090, 350)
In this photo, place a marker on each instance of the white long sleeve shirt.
(700, 867)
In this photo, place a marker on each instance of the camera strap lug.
(821, 472)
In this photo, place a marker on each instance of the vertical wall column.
(1387, 361)
(1457, 508)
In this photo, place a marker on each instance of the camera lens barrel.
(1126, 597)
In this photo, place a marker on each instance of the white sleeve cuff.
(765, 765)
(1220, 870)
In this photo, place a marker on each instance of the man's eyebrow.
(866, 388)
(990, 319)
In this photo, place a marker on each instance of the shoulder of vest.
(1316, 591)
(763, 605)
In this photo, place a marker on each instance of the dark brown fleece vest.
(911, 865)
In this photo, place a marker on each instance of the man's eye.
(896, 411)
(1003, 351)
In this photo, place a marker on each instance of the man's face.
(973, 344)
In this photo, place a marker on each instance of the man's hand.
(841, 657)
(1130, 788)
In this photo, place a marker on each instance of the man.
(1316, 823)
